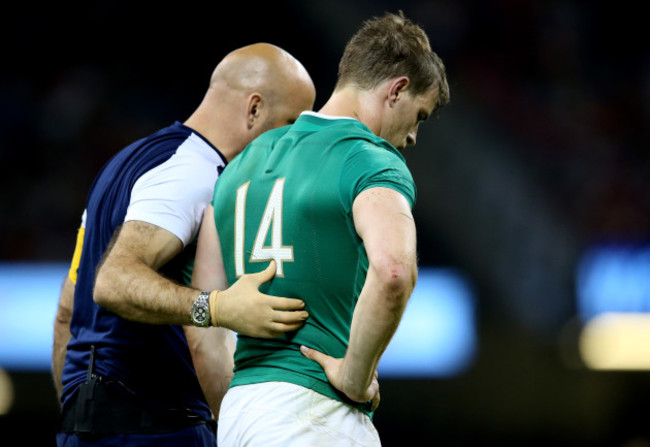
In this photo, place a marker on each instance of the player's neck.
(353, 103)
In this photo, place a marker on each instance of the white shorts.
(283, 414)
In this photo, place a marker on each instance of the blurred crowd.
(566, 80)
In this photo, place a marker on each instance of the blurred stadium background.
(530, 325)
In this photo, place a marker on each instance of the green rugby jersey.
(289, 197)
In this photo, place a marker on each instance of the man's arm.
(128, 282)
(212, 349)
(129, 285)
(62, 332)
(212, 352)
(384, 221)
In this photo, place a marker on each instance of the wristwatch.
(200, 313)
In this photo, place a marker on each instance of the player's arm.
(212, 348)
(383, 220)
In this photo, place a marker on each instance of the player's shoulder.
(373, 147)
(273, 135)
(357, 136)
(262, 144)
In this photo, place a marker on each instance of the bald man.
(121, 361)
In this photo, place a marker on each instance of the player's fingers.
(314, 355)
(375, 401)
(281, 303)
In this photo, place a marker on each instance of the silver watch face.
(200, 313)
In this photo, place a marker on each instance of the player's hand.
(244, 309)
(334, 371)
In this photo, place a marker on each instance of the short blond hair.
(390, 46)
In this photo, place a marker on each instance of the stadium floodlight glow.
(613, 278)
(613, 301)
(616, 341)
(437, 335)
(436, 338)
(29, 296)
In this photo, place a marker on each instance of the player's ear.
(254, 109)
(397, 88)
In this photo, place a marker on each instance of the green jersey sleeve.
(368, 166)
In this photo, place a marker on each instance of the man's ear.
(397, 88)
(254, 109)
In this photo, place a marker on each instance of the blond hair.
(390, 46)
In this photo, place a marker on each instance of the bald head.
(261, 67)
(253, 89)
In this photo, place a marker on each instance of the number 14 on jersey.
(271, 223)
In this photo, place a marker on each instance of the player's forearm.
(376, 318)
(135, 291)
(212, 352)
